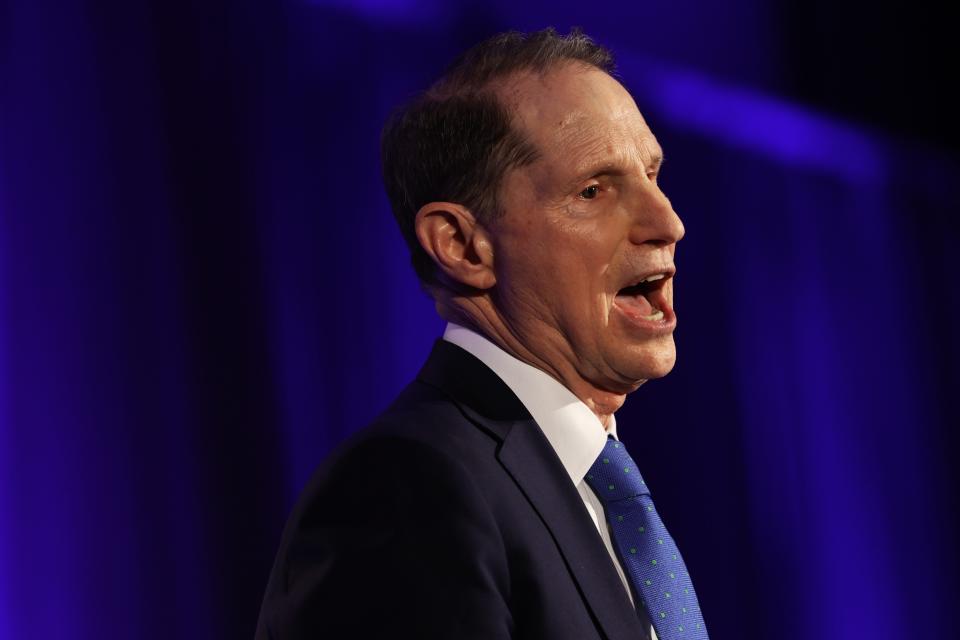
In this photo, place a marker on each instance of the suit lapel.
(528, 457)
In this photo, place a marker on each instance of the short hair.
(455, 141)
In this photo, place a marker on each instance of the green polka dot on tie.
(663, 614)
(646, 582)
(616, 445)
(650, 508)
(633, 549)
(684, 609)
(687, 591)
(641, 529)
(619, 518)
(626, 469)
(673, 575)
(589, 476)
(679, 627)
(659, 540)
(606, 461)
(674, 556)
(698, 625)
(610, 487)
(654, 561)
(666, 594)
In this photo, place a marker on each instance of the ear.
(459, 246)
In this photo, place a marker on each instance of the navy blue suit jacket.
(450, 516)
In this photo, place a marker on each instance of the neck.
(552, 356)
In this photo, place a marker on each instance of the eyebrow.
(657, 158)
(616, 168)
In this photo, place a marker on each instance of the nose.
(655, 221)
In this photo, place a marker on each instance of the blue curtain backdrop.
(202, 291)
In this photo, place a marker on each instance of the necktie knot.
(614, 475)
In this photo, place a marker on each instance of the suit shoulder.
(423, 416)
(396, 501)
(422, 440)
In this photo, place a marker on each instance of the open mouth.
(645, 299)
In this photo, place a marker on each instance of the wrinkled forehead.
(576, 111)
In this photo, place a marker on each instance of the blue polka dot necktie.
(647, 552)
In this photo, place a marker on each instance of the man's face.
(581, 226)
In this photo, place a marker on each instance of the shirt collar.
(571, 428)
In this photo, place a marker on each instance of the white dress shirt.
(571, 428)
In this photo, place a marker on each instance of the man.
(492, 499)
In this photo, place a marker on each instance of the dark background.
(202, 291)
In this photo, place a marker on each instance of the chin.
(651, 361)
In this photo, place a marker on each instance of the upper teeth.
(656, 276)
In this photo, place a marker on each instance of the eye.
(590, 192)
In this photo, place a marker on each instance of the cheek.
(588, 241)
(577, 271)
(524, 258)
(562, 261)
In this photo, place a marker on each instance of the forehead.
(575, 114)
